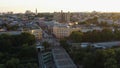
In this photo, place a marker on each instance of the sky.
(58, 5)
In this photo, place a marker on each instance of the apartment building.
(62, 17)
(37, 33)
(61, 31)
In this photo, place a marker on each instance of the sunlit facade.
(37, 33)
(63, 31)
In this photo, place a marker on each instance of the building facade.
(62, 17)
(63, 31)
(37, 33)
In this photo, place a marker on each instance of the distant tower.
(36, 11)
(68, 16)
(62, 17)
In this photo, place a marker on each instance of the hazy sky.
(57, 5)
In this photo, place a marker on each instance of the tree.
(27, 38)
(117, 51)
(1, 56)
(27, 51)
(20, 46)
(88, 61)
(117, 34)
(29, 65)
(110, 63)
(76, 36)
(13, 63)
(64, 44)
(107, 34)
(35, 65)
(46, 45)
(2, 66)
(95, 36)
(5, 42)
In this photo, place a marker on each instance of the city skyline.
(57, 5)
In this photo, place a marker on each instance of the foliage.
(12, 63)
(108, 58)
(17, 50)
(7, 41)
(46, 45)
(110, 63)
(27, 52)
(95, 36)
(76, 36)
(64, 44)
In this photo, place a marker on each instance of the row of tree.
(95, 36)
(96, 22)
(91, 58)
(18, 51)
(15, 63)
(8, 41)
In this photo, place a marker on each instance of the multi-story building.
(61, 31)
(62, 17)
(37, 33)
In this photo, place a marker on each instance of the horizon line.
(63, 11)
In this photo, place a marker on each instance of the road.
(60, 56)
